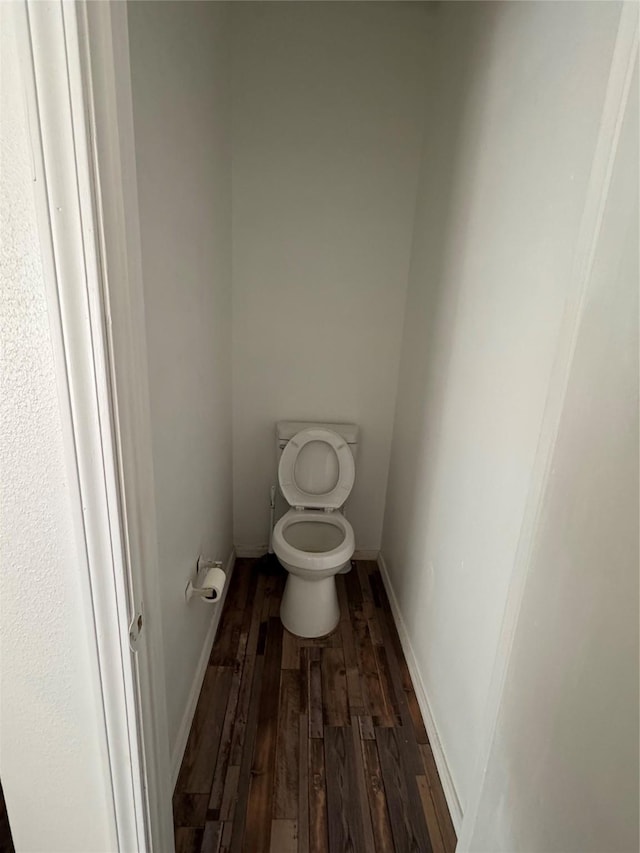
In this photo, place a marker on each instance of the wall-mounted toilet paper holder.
(212, 586)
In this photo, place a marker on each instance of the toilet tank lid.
(287, 429)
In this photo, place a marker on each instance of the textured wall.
(52, 760)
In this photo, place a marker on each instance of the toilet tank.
(285, 430)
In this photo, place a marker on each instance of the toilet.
(313, 540)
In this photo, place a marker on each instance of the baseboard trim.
(364, 554)
(187, 718)
(446, 778)
(250, 551)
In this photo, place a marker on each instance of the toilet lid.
(316, 469)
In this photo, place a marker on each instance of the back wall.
(325, 171)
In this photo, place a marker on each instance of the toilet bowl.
(313, 540)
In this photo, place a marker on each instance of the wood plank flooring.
(307, 746)
(6, 842)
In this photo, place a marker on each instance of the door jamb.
(77, 80)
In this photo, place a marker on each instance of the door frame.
(76, 70)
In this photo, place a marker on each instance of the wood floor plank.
(205, 700)
(316, 727)
(408, 824)
(204, 740)
(416, 716)
(224, 752)
(290, 651)
(363, 579)
(343, 602)
(370, 677)
(304, 681)
(225, 649)
(303, 785)
(367, 828)
(236, 838)
(260, 801)
(189, 809)
(354, 590)
(284, 836)
(377, 798)
(335, 705)
(247, 679)
(240, 584)
(318, 834)
(274, 587)
(430, 816)
(354, 688)
(368, 604)
(365, 724)
(331, 640)
(344, 814)
(211, 837)
(374, 625)
(242, 710)
(285, 798)
(188, 839)
(227, 836)
(6, 840)
(442, 811)
(386, 682)
(230, 793)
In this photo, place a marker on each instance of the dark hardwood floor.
(6, 842)
(308, 745)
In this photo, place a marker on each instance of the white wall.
(562, 774)
(180, 77)
(327, 120)
(53, 761)
(513, 116)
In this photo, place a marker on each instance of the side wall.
(566, 742)
(514, 113)
(53, 760)
(180, 68)
(327, 122)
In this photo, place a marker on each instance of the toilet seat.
(337, 494)
(314, 562)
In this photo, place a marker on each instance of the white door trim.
(78, 90)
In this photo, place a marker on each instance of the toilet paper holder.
(210, 590)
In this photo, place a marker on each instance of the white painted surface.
(513, 119)
(180, 76)
(108, 92)
(562, 773)
(327, 120)
(53, 755)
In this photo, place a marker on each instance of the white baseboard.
(187, 718)
(364, 554)
(261, 550)
(446, 779)
(250, 550)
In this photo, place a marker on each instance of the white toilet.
(313, 540)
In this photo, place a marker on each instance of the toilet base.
(310, 607)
